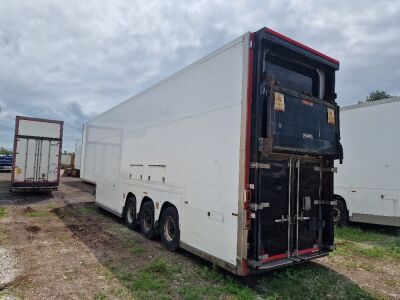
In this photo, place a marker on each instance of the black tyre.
(169, 228)
(147, 220)
(340, 213)
(130, 214)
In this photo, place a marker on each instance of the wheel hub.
(169, 228)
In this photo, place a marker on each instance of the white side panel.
(179, 140)
(368, 178)
(78, 154)
(39, 128)
(101, 153)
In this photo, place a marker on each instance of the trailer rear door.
(293, 142)
(37, 149)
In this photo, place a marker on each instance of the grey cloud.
(73, 60)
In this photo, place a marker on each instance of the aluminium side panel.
(368, 178)
(180, 140)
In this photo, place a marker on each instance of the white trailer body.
(66, 159)
(37, 154)
(368, 181)
(185, 143)
(78, 154)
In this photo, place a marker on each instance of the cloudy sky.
(71, 60)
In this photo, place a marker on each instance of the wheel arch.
(164, 206)
(338, 197)
(128, 196)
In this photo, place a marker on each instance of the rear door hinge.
(325, 202)
(255, 206)
(257, 165)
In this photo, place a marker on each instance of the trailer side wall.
(178, 142)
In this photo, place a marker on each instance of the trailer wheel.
(147, 220)
(130, 213)
(169, 228)
(340, 213)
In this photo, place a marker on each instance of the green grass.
(3, 212)
(311, 281)
(369, 243)
(86, 210)
(137, 250)
(216, 286)
(100, 296)
(37, 213)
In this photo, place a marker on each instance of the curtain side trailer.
(36, 154)
(367, 188)
(231, 158)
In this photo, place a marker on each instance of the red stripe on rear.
(274, 257)
(296, 43)
(309, 250)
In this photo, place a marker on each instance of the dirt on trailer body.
(61, 246)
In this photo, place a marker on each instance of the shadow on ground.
(148, 270)
(80, 185)
(19, 198)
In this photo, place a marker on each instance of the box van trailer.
(367, 188)
(231, 158)
(5, 162)
(37, 154)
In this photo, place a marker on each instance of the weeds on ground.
(86, 210)
(137, 250)
(311, 281)
(369, 243)
(3, 212)
(37, 213)
(215, 286)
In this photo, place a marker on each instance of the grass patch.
(37, 213)
(3, 235)
(137, 250)
(353, 241)
(3, 212)
(216, 286)
(85, 210)
(100, 296)
(311, 281)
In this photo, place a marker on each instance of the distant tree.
(5, 152)
(377, 95)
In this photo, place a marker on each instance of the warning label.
(331, 116)
(279, 102)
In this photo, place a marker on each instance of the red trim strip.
(248, 125)
(274, 257)
(296, 43)
(309, 250)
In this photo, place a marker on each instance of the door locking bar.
(283, 219)
(257, 165)
(255, 206)
(302, 218)
(325, 202)
(333, 170)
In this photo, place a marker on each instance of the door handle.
(282, 220)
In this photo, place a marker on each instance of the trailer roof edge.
(371, 103)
